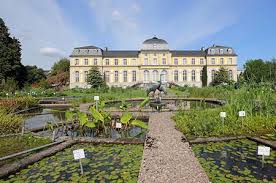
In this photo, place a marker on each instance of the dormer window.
(212, 51)
(230, 51)
(154, 46)
(221, 51)
(87, 51)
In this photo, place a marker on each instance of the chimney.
(202, 48)
(105, 49)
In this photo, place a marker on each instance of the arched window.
(85, 76)
(77, 76)
(164, 76)
(107, 76)
(116, 76)
(193, 75)
(146, 76)
(213, 74)
(155, 75)
(184, 75)
(230, 74)
(175, 75)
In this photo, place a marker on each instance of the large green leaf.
(125, 118)
(139, 123)
(69, 115)
(144, 102)
(90, 125)
(82, 118)
(96, 115)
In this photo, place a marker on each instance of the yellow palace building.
(123, 68)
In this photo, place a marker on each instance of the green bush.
(9, 123)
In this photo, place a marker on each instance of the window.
(133, 76)
(201, 74)
(230, 51)
(213, 61)
(175, 75)
(154, 61)
(230, 74)
(164, 76)
(134, 61)
(193, 75)
(95, 61)
(193, 61)
(212, 51)
(164, 54)
(116, 62)
(184, 61)
(164, 61)
(85, 76)
(201, 61)
(116, 76)
(175, 61)
(77, 76)
(125, 76)
(229, 60)
(221, 61)
(106, 61)
(146, 61)
(155, 75)
(124, 61)
(76, 61)
(86, 61)
(107, 76)
(184, 75)
(213, 75)
(221, 51)
(146, 76)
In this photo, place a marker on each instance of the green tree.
(10, 57)
(34, 74)
(63, 65)
(221, 76)
(95, 78)
(204, 76)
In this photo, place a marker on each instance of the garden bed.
(235, 160)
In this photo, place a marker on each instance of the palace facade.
(123, 68)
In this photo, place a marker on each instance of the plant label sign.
(222, 114)
(96, 98)
(119, 125)
(78, 154)
(263, 150)
(241, 113)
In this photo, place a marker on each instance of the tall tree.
(59, 74)
(204, 76)
(221, 76)
(95, 78)
(63, 65)
(10, 57)
(34, 74)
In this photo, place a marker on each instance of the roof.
(88, 47)
(120, 53)
(195, 53)
(155, 40)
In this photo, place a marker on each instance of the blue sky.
(50, 29)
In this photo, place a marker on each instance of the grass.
(258, 103)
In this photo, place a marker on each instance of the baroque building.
(123, 68)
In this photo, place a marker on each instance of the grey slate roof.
(88, 47)
(195, 53)
(155, 40)
(120, 53)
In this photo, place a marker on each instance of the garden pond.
(102, 163)
(235, 161)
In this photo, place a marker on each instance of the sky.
(50, 29)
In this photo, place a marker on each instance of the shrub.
(9, 123)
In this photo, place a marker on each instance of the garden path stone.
(166, 158)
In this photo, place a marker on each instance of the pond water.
(103, 163)
(235, 161)
(39, 117)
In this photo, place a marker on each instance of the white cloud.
(39, 24)
(51, 52)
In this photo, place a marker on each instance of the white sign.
(96, 98)
(222, 114)
(263, 150)
(118, 125)
(241, 113)
(79, 154)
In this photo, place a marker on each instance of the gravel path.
(166, 158)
